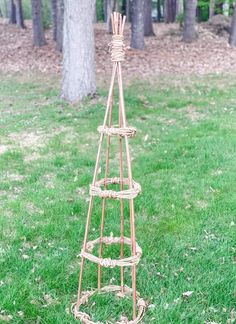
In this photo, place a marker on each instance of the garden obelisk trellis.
(100, 188)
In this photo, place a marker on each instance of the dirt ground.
(164, 53)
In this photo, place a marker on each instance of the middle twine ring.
(108, 262)
(115, 130)
(131, 193)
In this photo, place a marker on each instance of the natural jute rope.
(114, 130)
(117, 48)
(111, 263)
(86, 319)
(131, 193)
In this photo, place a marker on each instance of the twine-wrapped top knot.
(117, 48)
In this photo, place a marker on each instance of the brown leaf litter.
(164, 53)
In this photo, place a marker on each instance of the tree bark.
(79, 50)
(12, 12)
(226, 8)
(189, 32)
(105, 10)
(170, 11)
(137, 24)
(165, 11)
(117, 6)
(148, 27)
(6, 10)
(127, 10)
(19, 14)
(38, 32)
(95, 14)
(54, 18)
(232, 37)
(60, 25)
(159, 10)
(110, 9)
(211, 8)
(179, 7)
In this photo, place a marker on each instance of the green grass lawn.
(184, 156)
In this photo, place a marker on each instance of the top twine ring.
(117, 48)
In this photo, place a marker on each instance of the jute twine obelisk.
(99, 188)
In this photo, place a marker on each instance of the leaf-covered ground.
(164, 53)
(184, 156)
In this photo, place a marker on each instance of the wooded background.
(74, 36)
(180, 94)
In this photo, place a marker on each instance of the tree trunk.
(54, 18)
(19, 14)
(79, 50)
(148, 28)
(60, 24)
(117, 6)
(38, 32)
(12, 12)
(137, 24)
(6, 10)
(219, 6)
(170, 11)
(226, 8)
(173, 10)
(105, 10)
(179, 7)
(159, 10)
(127, 10)
(95, 14)
(189, 32)
(211, 8)
(165, 11)
(110, 9)
(232, 37)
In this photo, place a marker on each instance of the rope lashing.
(82, 316)
(108, 263)
(117, 48)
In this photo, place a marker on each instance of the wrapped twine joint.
(117, 48)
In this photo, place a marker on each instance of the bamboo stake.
(94, 179)
(104, 199)
(121, 203)
(132, 221)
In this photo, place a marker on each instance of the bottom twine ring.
(86, 319)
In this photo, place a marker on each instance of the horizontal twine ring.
(86, 319)
(112, 263)
(131, 193)
(114, 130)
(117, 48)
